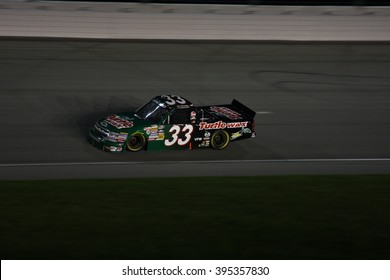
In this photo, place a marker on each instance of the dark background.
(263, 2)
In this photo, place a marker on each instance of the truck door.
(175, 133)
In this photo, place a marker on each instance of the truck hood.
(121, 122)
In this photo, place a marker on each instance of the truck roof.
(172, 101)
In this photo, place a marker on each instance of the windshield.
(152, 111)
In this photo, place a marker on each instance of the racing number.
(187, 128)
(175, 130)
(173, 99)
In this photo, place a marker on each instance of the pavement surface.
(323, 108)
(193, 22)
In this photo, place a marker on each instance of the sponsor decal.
(183, 106)
(237, 124)
(155, 134)
(193, 116)
(227, 112)
(239, 133)
(118, 137)
(216, 125)
(152, 130)
(204, 144)
(117, 121)
(113, 148)
(222, 125)
(235, 135)
(198, 139)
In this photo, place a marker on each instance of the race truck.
(172, 122)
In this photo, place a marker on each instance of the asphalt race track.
(322, 107)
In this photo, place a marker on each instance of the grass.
(286, 217)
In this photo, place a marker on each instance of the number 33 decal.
(173, 99)
(175, 130)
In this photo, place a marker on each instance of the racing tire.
(136, 142)
(220, 140)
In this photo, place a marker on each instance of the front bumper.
(104, 144)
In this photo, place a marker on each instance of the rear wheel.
(220, 140)
(136, 142)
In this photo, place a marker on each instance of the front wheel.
(136, 142)
(220, 140)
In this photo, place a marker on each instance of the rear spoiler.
(241, 108)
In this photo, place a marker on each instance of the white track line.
(195, 162)
(263, 112)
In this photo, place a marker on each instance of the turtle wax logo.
(227, 112)
(222, 125)
(216, 125)
(118, 122)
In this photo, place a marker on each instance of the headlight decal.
(117, 137)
